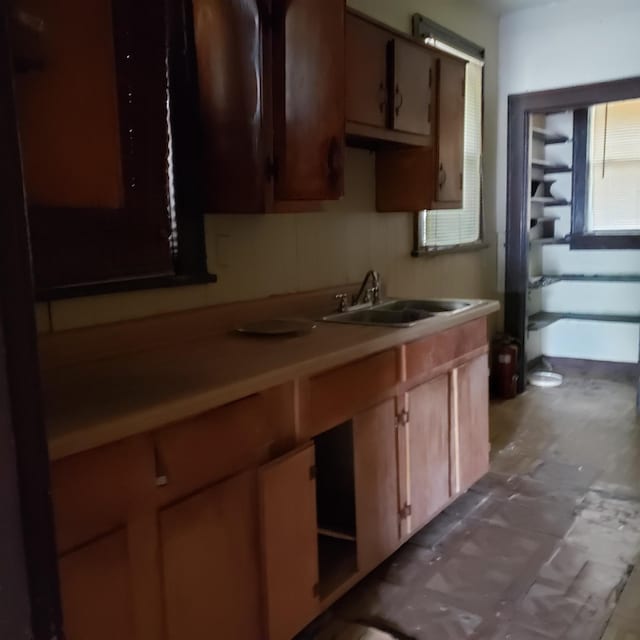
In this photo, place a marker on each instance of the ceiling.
(501, 7)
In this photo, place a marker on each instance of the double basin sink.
(401, 313)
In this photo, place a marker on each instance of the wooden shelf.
(594, 278)
(337, 533)
(549, 241)
(549, 167)
(549, 137)
(550, 201)
(337, 562)
(544, 319)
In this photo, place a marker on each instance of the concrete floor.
(542, 548)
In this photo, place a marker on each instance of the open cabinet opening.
(335, 497)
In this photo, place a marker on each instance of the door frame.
(30, 607)
(521, 107)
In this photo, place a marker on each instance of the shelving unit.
(550, 201)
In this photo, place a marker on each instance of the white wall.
(257, 256)
(561, 45)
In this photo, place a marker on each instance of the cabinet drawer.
(437, 350)
(337, 395)
(202, 450)
(94, 492)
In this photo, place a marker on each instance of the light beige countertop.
(111, 396)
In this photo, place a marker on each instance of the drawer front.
(203, 450)
(437, 350)
(96, 491)
(337, 395)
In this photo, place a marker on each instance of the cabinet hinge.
(461, 180)
(405, 512)
(430, 76)
(464, 87)
(313, 472)
(271, 168)
(402, 419)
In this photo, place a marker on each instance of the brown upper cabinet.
(272, 102)
(413, 179)
(389, 84)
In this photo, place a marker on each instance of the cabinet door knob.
(443, 176)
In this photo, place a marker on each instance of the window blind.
(614, 167)
(452, 227)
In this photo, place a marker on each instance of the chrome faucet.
(368, 294)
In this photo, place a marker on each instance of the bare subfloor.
(541, 548)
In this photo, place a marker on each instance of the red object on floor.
(504, 367)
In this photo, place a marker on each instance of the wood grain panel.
(411, 90)
(229, 47)
(198, 452)
(405, 179)
(212, 564)
(450, 139)
(309, 98)
(376, 480)
(367, 91)
(96, 491)
(96, 591)
(472, 424)
(428, 353)
(336, 395)
(71, 153)
(428, 450)
(289, 542)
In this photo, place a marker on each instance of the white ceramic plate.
(278, 327)
(545, 379)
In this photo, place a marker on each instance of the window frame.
(424, 28)
(581, 238)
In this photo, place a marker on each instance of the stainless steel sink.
(379, 316)
(432, 306)
(401, 313)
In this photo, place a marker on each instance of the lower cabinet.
(428, 450)
(290, 542)
(470, 424)
(95, 584)
(376, 483)
(261, 553)
(211, 563)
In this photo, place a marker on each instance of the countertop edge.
(137, 423)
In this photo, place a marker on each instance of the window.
(614, 168)
(450, 229)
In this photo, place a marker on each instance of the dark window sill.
(433, 252)
(598, 241)
(120, 286)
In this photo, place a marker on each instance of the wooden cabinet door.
(231, 68)
(309, 99)
(428, 450)
(450, 139)
(470, 423)
(376, 482)
(367, 92)
(289, 533)
(211, 563)
(412, 66)
(96, 590)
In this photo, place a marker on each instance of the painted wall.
(258, 256)
(561, 45)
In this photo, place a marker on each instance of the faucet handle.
(343, 304)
